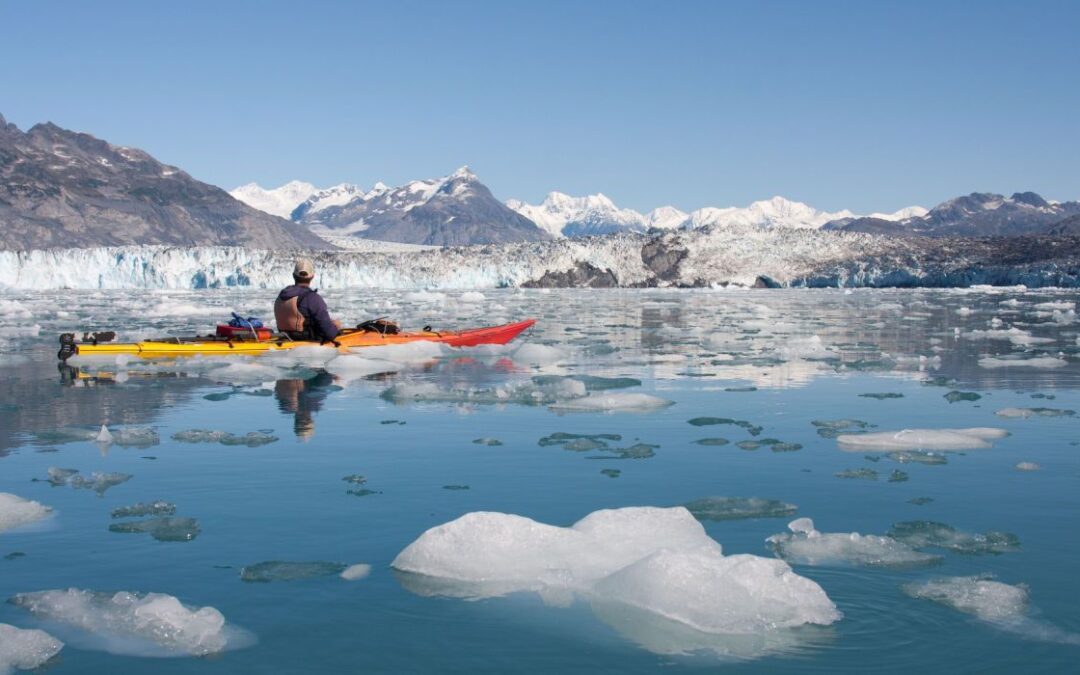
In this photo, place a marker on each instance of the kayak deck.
(348, 339)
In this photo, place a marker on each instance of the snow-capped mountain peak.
(278, 201)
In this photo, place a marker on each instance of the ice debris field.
(757, 480)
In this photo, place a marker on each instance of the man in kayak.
(299, 311)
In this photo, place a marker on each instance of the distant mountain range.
(980, 214)
(59, 188)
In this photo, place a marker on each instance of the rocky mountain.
(60, 188)
(1069, 226)
(980, 214)
(454, 210)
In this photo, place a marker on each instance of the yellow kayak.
(101, 344)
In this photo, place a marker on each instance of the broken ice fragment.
(712, 441)
(1027, 466)
(161, 529)
(455, 487)
(25, 649)
(488, 441)
(753, 429)
(611, 473)
(143, 621)
(882, 396)
(355, 479)
(927, 533)
(1025, 413)
(921, 439)
(805, 545)
(16, 511)
(252, 439)
(898, 476)
(868, 474)
(139, 510)
(277, 570)
(955, 396)
(356, 572)
(739, 508)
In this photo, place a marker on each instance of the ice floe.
(921, 439)
(161, 529)
(739, 508)
(98, 481)
(1031, 362)
(1025, 413)
(613, 402)
(144, 624)
(805, 545)
(278, 570)
(653, 560)
(15, 511)
(927, 533)
(25, 648)
(252, 439)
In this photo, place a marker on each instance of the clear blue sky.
(865, 105)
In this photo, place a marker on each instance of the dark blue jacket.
(313, 308)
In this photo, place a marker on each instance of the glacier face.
(739, 255)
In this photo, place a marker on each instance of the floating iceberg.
(1025, 413)
(1002, 605)
(653, 560)
(145, 624)
(278, 570)
(16, 511)
(1033, 362)
(921, 439)
(25, 649)
(805, 545)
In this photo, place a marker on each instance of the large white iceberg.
(650, 561)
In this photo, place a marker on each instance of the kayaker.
(300, 312)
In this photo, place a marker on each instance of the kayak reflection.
(303, 399)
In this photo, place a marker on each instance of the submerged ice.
(921, 439)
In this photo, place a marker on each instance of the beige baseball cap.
(304, 268)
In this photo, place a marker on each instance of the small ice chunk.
(921, 439)
(104, 436)
(1033, 362)
(1027, 466)
(978, 595)
(805, 545)
(277, 570)
(25, 649)
(753, 429)
(158, 624)
(16, 511)
(472, 296)
(864, 474)
(1026, 413)
(833, 428)
(613, 402)
(356, 572)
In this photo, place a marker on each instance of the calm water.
(777, 359)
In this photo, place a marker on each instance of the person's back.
(299, 311)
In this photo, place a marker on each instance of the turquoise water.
(743, 355)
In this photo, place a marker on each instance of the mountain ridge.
(62, 188)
